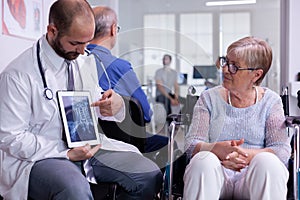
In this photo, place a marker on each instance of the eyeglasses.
(118, 28)
(232, 68)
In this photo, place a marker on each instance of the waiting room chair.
(173, 179)
(104, 191)
(131, 130)
(293, 123)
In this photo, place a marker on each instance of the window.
(196, 42)
(159, 39)
(233, 26)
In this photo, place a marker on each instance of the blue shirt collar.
(94, 47)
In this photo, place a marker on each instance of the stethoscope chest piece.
(48, 94)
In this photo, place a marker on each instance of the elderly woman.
(237, 141)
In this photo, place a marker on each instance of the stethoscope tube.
(102, 66)
(47, 91)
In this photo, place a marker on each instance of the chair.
(293, 182)
(131, 130)
(293, 122)
(188, 108)
(173, 182)
(104, 191)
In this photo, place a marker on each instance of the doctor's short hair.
(105, 17)
(63, 12)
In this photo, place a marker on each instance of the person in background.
(35, 161)
(237, 142)
(117, 74)
(166, 85)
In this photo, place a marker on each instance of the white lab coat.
(30, 125)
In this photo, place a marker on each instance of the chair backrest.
(132, 130)
(189, 108)
(181, 160)
(285, 101)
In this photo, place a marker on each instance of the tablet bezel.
(72, 144)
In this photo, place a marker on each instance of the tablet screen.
(80, 124)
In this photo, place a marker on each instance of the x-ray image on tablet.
(78, 118)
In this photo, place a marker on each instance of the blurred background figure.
(166, 85)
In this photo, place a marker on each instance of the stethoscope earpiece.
(88, 52)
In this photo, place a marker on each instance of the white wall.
(294, 39)
(12, 46)
(265, 22)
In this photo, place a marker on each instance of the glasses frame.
(232, 68)
(118, 28)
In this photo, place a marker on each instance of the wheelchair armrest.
(292, 120)
(179, 118)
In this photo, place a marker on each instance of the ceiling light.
(226, 3)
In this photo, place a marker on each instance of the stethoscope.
(48, 93)
(102, 66)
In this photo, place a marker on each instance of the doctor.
(34, 160)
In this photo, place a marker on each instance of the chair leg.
(104, 191)
(113, 191)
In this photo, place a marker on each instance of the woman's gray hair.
(255, 52)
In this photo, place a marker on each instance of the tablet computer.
(78, 118)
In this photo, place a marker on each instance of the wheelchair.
(173, 178)
(293, 123)
(177, 161)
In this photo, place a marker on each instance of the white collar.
(49, 55)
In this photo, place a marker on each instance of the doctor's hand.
(110, 103)
(82, 153)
